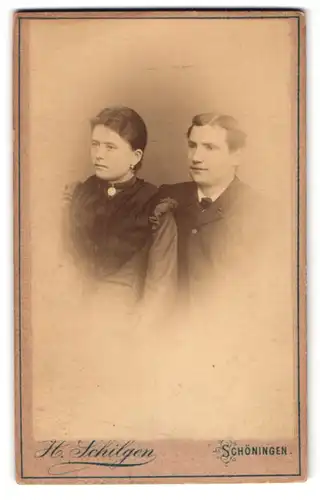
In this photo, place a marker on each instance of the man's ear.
(237, 157)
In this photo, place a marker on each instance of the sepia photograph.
(159, 170)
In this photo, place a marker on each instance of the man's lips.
(100, 166)
(198, 169)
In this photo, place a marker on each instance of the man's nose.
(197, 157)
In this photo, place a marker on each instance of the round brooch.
(111, 191)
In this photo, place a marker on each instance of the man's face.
(210, 160)
(111, 155)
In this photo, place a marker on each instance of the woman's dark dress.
(110, 236)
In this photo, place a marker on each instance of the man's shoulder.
(242, 189)
(253, 208)
(246, 196)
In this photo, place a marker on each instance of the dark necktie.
(205, 203)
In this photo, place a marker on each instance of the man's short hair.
(236, 138)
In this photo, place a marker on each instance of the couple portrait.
(161, 246)
(162, 228)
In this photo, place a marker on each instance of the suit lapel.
(189, 213)
(219, 208)
(211, 214)
(187, 207)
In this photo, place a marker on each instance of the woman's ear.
(137, 156)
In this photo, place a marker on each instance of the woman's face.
(112, 156)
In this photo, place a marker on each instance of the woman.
(111, 237)
(121, 283)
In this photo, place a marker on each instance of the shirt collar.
(216, 195)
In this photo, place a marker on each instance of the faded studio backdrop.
(167, 71)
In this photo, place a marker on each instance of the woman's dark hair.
(127, 123)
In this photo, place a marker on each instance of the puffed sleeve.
(160, 288)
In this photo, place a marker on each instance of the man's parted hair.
(236, 138)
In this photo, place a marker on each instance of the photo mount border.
(19, 16)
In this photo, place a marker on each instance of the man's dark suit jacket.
(216, 240)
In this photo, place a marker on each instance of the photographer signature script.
(69, 456)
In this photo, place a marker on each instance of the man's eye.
(110, 147)
(210, 147)
(192, 145)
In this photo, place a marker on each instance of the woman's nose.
(99, 153)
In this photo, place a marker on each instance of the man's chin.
(198, 177)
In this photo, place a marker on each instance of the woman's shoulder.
(143, 193)
(166, 201)
(83, 185)
(147, 187)
(88, 183)
(175, 192)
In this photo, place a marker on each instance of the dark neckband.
(119, 186)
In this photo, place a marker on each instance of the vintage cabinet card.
(159, 187)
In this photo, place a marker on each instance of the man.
(218, 217)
